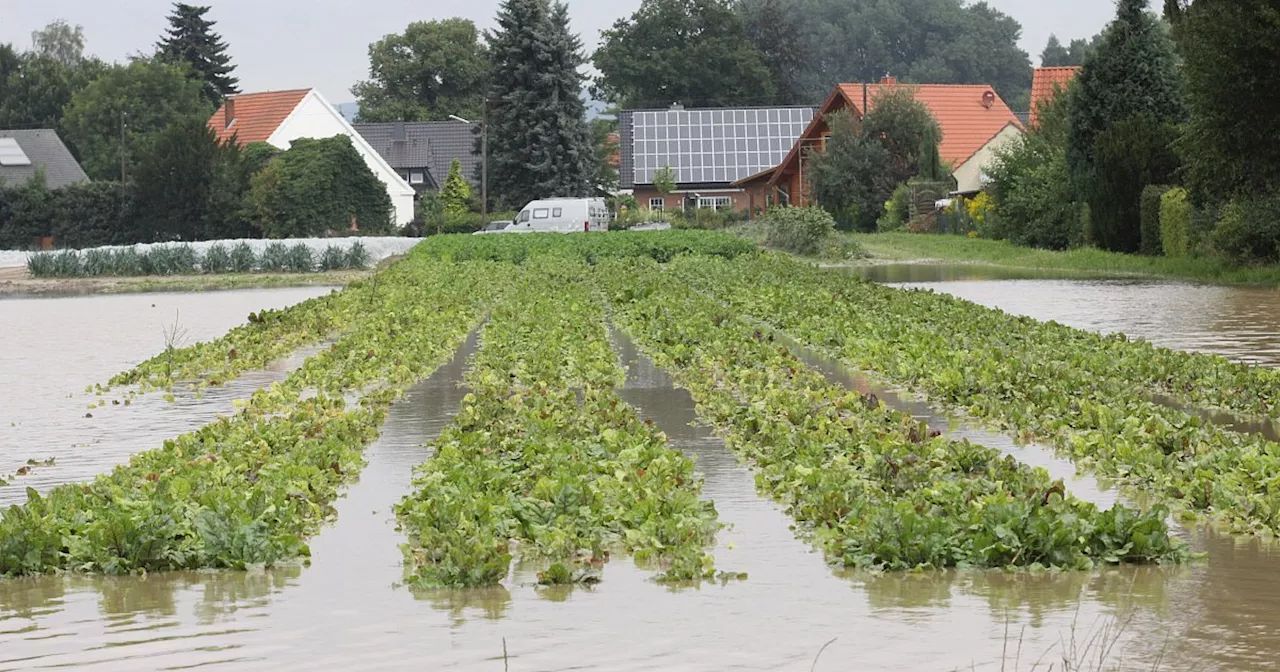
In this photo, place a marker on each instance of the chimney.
(889, 80)
(229, 108)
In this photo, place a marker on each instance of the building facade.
(422, 152)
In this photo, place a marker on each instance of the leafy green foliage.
(315, 188)
(798, 230)
(874, 488)
(174, 180)
(1152, 195)
(570, 476)
(1249, 229)
(190, 39)
(850, 177)
(151, 95)
(1175, 223)
(25, 213)
(1229, 53)
(274, 257)
(660, 55)
(456, 193)
(664, 180)
(539, 144)
(1087, 394)
(432, 70)
(299, 259)
(897, 210)
(217, 259)
(243, 258)
(1129, 155)
(661, 246)
(1055, 55)
(38, 89)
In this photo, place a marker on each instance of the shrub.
(1149, 214)
(333, 259)
(94, 214)
(243, 259)
(1175, 222)
(798, 230)
(358, 256)
(1249, 229)
(300, 259)
(1128, 156)
(275, 257)
(318, 187)
(897, 210)
(216, 259)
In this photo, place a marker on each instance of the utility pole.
(484, 156)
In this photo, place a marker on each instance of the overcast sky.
(285, 44)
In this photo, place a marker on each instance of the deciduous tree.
(432, 70)
(456, 192)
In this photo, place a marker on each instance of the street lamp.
(484, 162)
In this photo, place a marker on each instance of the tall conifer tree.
(190, 39)
(539, 141)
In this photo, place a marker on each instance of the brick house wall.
(738, 198)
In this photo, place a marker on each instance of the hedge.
(1175, 223)
(1152, 243)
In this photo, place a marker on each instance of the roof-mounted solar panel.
(11, 153)
(722, 145)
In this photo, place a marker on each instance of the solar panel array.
(720, 145)
(11, 153)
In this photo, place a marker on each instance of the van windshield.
(524, 216)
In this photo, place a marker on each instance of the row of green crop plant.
(876, 488)
(249, 489)
(661, 246)
(183, 259)
(544, 453)
(1088, 394)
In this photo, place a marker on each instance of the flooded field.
(349, 608)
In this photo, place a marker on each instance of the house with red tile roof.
(280, 117)
(974, 121)
(1047, 83)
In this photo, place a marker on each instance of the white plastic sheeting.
(379, 247)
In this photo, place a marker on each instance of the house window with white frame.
(657, 204)
(416, 177)
(715, 202)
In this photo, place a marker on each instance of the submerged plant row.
(1091, 395)
(544, 453)
(251, 488)
(877, 488)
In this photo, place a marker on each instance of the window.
(416, 177)
(541, 213)
(524, 216)
(557, 213)
(715, 202)
(657, 204)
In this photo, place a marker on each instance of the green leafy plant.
(274, 258)
(299, 259)
(217, 259)
(798, 230)
(243, 260)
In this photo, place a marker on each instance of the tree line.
(1167, 142)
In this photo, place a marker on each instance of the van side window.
(541, 213)
(524, 216)
(556, 212)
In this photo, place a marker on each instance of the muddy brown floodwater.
(350, 610)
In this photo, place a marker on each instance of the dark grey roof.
(45, 149)
(425, 144)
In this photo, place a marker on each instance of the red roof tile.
(256, 115)
(967, 123)
(1046, 83)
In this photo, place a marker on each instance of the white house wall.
(969, 174)
(316, 118)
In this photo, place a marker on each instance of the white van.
(562, 215)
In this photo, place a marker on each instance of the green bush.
(169, 260)
(300, 259)
(65, 264)
(275, 257)
(1175, 223)
(126, 261)
(333, 259)
(1249, 229)
(897, 210)
(216, 259)
(1149, 213)
(798, 230)
(318, 187)
(1127, 157)
(97, 262)
(243, 260)
(358, 256)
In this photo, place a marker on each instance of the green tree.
(315, 188)
(59, 42)
(432, 70)
(777, 30)
(456, 192)
(1230, 52)
(604, 141)
(1129, 156)
(662, 54)
(539, 142)
(664, 181)
(174, 178)
(190, 39)
(1056, 55)
(922, 41)
(905, 128)
(1131, 75)
(850, 177)
(146, 95)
